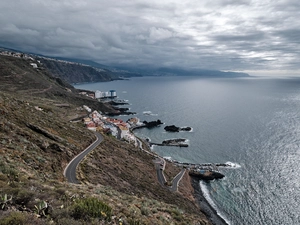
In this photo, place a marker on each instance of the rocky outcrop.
(178, 142)
(206, 174)
(173, 128)
(148, 125)
(45, 133)
(119, 111)
(152, 123)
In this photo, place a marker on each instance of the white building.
(99, 94)
(113, 93)
(34, 65)
(87, 108)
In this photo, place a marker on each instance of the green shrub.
(41, 209)
(145, 211)
(14, 218)
(23, 197)
(91, 207)
(134, 222)
(68, 221)
(5, 200)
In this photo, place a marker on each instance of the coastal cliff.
(76, 72)
(38, 140)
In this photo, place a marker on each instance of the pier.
(200, 166)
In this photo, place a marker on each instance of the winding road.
(70, 170)
(160, 164)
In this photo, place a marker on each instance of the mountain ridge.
(83, 71)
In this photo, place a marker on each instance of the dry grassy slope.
(36, 145)
(18, 77)
(38, 153)
(129, 170)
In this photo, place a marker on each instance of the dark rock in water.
(173, 128)
(120, 102)
(186, 128)
(120, 111)
(206, 174)
(172, 142)
(148, 125)
(152, 123)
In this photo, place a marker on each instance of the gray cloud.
(221, 34)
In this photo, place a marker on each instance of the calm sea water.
(252, 122)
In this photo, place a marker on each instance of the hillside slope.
(36, 143)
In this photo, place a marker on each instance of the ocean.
(252, 122)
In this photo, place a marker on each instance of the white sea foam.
(233, 165)
(149, 113)
(169, 158)
(206, 195)
(239, 190)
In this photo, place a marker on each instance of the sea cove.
(251, 122)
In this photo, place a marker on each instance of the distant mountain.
(74, 70)
(85, 62)
(198, 72)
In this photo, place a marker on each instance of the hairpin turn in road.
(70, 170)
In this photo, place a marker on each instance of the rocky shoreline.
(205, 207)
(199, 198)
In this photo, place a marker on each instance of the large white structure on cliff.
(108, 94)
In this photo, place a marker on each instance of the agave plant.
(4, 201)
(41, 209)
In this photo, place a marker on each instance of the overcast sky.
(236, 35)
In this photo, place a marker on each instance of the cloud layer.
(219, 34)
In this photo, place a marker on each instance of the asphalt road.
(160, 166)
(70, 170)
(176, 180)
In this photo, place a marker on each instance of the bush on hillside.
(91, 207)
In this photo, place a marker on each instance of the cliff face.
(77, 73)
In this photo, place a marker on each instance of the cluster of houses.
(22, 55)
(17, 55)
(35, 62)
(116, 127)
(100, 94)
